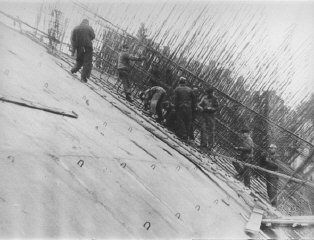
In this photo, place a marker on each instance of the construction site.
(80, 161)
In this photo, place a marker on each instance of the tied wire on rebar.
(165, 67)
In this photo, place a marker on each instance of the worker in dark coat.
(152, 99)
(124, 69)
(246, 155)
(81, 40)
(170, 117)
(208, 105)
(52, 33)
(184, 102)
(269, 162)
(194, 114)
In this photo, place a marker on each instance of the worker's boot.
(128, 97)
(84, 79)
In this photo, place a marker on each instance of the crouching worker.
(124, 69)
(153, 99)
(246, 155)
(208, 105)
(81, 40)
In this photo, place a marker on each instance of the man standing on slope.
(269, 160)
(208, 106)
(246, 155)
(124, 69)
(81, 40)
(184, 102)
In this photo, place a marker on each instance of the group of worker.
(268, 161)
(180, 114)
(179, 117)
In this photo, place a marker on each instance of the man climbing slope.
(124, 69)
(81, 40)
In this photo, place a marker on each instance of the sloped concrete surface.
(99, 176)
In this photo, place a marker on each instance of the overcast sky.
(285, 32)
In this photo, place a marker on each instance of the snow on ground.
(45, 193)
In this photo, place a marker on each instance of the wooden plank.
(29, 104)
(305, 182)
(291, 220)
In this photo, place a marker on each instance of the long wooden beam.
(288, 220)
(305, 182)
(29, 104)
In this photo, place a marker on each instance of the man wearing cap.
(184, 102)
(246, 155)
(208, 105)
(194, 114)
(269, 162)
(124, 69)
(81, 40)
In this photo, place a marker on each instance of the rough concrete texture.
(45, 193)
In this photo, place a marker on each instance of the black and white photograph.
(157, 119)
